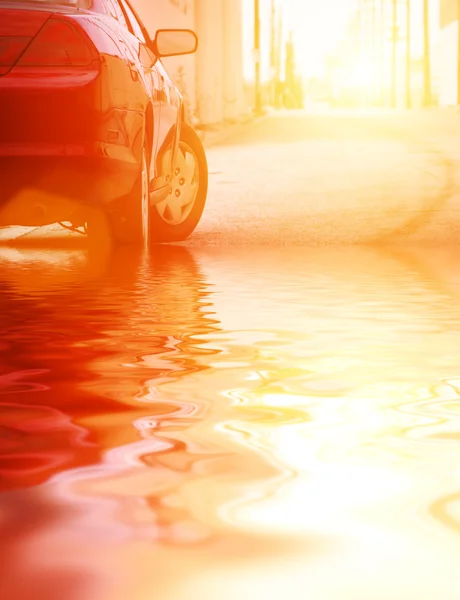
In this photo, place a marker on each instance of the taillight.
(58, 44)
(10, 50)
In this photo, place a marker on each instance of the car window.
(136, 27)
(114, 10)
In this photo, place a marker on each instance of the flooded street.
(226, 422)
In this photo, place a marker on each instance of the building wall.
(210, 61)
(234, 94)
(448, 69)
(166, 14)
(212, 80)
(220, 82)
(448, 12)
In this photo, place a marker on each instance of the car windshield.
(76, 3)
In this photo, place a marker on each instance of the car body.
(82, 92)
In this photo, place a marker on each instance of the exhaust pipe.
(34, 208)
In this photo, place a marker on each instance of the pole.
(290, 71)
(374, 50)
(408, 54)
(382, 52)
(365, 43)
(458, 55)
(427, 57)
(258, 97)
(362, 41)
(394, 55)
(273, 53)
(279, 55)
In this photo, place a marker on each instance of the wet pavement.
(261, 412)
(336, 178)
(296, 178)
(230, 422)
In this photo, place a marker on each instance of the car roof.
(86, 4)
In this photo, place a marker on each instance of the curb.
(221, 133)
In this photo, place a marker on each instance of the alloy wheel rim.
(178, 205)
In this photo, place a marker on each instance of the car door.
(143, 64)
(171, 120)
(171, 103)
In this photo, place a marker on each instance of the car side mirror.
(175, 42)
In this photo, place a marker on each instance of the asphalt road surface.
(300, 179)
(338, 178)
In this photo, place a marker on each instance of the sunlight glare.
(317, 27)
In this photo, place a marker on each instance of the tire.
(131, 224)
(175, 219)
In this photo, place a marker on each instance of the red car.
(92, 129)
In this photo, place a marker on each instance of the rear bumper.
(63, 144)
(54, 183)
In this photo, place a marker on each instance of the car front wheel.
(176, 217)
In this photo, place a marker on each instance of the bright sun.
(317, 28)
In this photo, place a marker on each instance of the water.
(230, 423)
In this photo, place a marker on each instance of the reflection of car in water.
(93, 131)
(66, 394)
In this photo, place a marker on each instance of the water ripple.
(176, 422)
